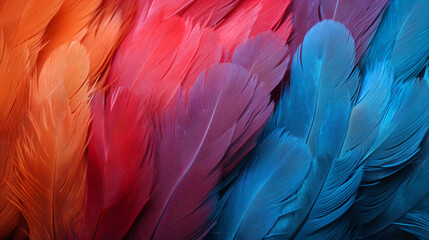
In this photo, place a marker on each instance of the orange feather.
(25, 21)
(69, 24)
(14, 89)
(50, 166)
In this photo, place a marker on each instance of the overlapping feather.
(121, 165)
(50, 166)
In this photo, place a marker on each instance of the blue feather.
(405, 206)
(402, 38)
(324, 64)
(398, 142)
(416, 221)
(275, 171)
(364, 137)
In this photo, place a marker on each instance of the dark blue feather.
(407, 207)
(398, 141)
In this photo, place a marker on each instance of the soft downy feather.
(360, 17)
(402, 38)
(121, 165)
(50, 168)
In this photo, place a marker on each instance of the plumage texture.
(121, 165)
(274, 171)
(402, 38)
(185, 143)
(50, 167)
(163, 56)
(360, 17)
(152, 119)
(15, 75)
(353, 134)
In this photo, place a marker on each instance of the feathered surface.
(50, 168)
(121, 165)
(360, 17)
(14, 81)
(353, 134)
(189, 166)
(274, 172)
(157, 61)
(402, 38)
(151, 119)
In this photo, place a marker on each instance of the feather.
(15, 74)
(402, 38)
(209, 12)
(252, 17)
(50, 167)
(69, 24)
(101, 41)
(120, 165)
(194, 140)
(319, 207)
(162, 57)
(324, 65)
(265, 56)
(9, 213)
(360, 17)
(387, 164)
(25, 21)
(274, 171)
(14, 81)
(416, 221)
(410, 195)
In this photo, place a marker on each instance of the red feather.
(163, 56)
(120, 165)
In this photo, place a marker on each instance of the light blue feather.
(323, 65)
(402, 38)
